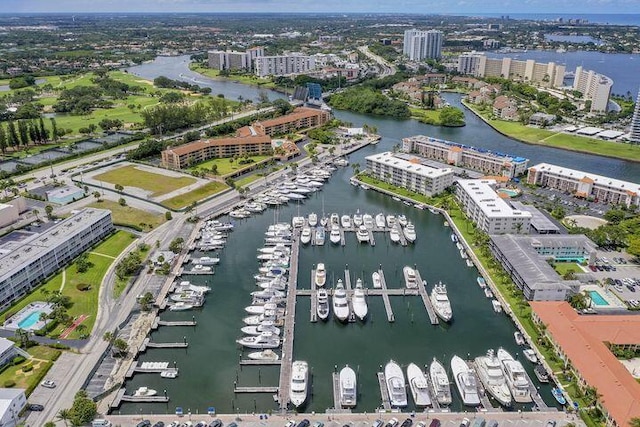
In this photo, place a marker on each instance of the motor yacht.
(440, 383)
(519, 338)
(345, 221)
(394, 234)
(380, 220)
(320, 277)
(395, 385)
(409, 232)
(362, 234)
(323, 304)
(357, 219)
(305, 236)
(440, 301)
(497, 307)
(359, 301)
(367, 221)
(340, 302)
(391, 221)
(492, 377)
(334, 219)
(144, 392)
(319, 236)
(313, 219)
(517, 378)
(205, 260)
(410, 279)
(180, 306)
(265, 326)
(267, 354)
(377, 281)
(418, 385)
(465, 381)
(334, 235)
(348, 387)
(297, 221)
(264, 340)
(299, 380)
(402, 220)
(173, 373)
(530, 355)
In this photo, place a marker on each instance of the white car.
(48, 384)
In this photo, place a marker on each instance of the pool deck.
(15, 322)
(613, 303)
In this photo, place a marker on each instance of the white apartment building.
(464, 156)
(583, 184)
(25, 264)
(283, 65)
(420, 45)
(634, 135)
(488, 210)
(12, 402)
(409, 174)
(594, 87)
(479, 65)
(232, 60)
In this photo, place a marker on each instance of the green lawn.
(248, 180)
(128, 216)
(564, 267)
(84, 302)
(201, 193)
(131, 176)
(227, 166)
(245, 79)
(42, 361)
(373, 182)
(431, 117)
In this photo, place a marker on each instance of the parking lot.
(618, 273)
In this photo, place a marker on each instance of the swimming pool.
(597, 299)
(30, 320)
(509, 192)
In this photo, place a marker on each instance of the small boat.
(410, 280)
(541, 374)
(323, 304)
(492, 377)
(409, 232)
(517, 335)
(266, 326)
(395, 385)
(497, 307)
(375, 278)
(394, 234)
(334, 235)
(463, 254)
(434, 211)
(465, 381)
(169, 374)
(357, 219)
(180, 306)
(440, 301)
(297, 221)
(440, 383)
(340, 302)
(145, 391)
(380, 220)
(359, 301)
(367, 221)
(319, 236)
(469, 262)
(313, 219)
(558, 395)
(481, 282)
(264, 355)
(362, 234)
(334, 219)
(418, 385)
(517, 378)
(446, 224)
(299, 379)
(348, 387)
(402, 220)
(391, 221)
(530, 355)
(345, 220)
(305, 236)
(488, 293)
(260, 309)
(264, 340)
(205, 260)
(397, 199)
(320, 278)
(454, 238)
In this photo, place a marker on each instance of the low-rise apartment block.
(300, 118)
(584, 184)
(464, 156)
(409, 174)
(488, 210)
(25, 264)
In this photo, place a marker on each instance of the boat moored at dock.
(465, 381)
(348, 387)
(418, 385)
(395, 385)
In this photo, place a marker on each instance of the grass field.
(84, 302)
(184, 200)
(245, 79)
(43, 358)
(431, 117)
(157, 184)
(248, 180)
(564, 267)
(225, 166)
(128, 216)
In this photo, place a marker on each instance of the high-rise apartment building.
(232, 60)
(635, 123)
(420, 45)
(283, 65)
(594, 87)
(469, 63)
(479, 65)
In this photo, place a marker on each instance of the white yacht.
(299, 380)
(357, 219)
(359, 301)
(267, 354)
(409, 232)
(465, 381)
(367, 221)
(517, 335)
(490, 373)
(260, 309)
(173, 373)
(497, 307)
(334, 219)
(391, 221)
(402, 220)
(440, 301)
(305, 236)
(362, 234)
(377, 281)
(418, 385)
(440, 383)
(205, 260)
(530, 355)
(297, 221)
(345, 220)
(410, 280)
(180, 306)
(334, 235)
(517, 378)
(380, 221)
(145, 391)
(340, 302)
(313, 219)
(348, 387)
(395, 385)
(323, 304)
(266, 326)
(264, 340)
(320, 278)
(394, 234)
(319, 236)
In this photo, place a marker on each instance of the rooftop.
(204, 143)
(582, 339)
(412, 165)
(539, 221)
(491, 203)
(597, 179)
(297, 114)
(468, 148)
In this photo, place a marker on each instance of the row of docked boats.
(426, 388)
(344, 306)
(186, 296)
(213, 236)
(497, 307)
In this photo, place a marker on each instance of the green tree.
(48, 209)
(83, 409)
(634, 422)
(54, 129)
(49, 424)
(176, 245)
(119, 188)
(146, 301)
(122, 201)
(83, 264)
(451, 116)
(121, 347)
(12, 136)
(97, 195)
(614, 216)
(44, 133)
(64, 415)
(23, 133)
(168, 215)
(3, 139)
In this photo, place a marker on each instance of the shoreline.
(544, 145)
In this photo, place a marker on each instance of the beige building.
(594, 87)
(544, 74)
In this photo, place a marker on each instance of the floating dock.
(314, 300)
(343, 241)
(482, 393)
(270, 390)
(336, 390)
(260, 362)
(385, 297)
(384, 392)
(422, 289)
(148, 344)
(177, 323)
(434, 401)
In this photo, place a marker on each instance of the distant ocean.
(597, 18)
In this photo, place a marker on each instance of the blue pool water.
(597, 298)
(509, 192)
(30, 320)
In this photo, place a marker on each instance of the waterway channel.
(209, 367)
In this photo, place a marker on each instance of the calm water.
(571, 39)
(597, 18)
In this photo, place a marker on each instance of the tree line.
(23, 132)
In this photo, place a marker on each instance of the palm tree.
(635, 422)
(64, 415)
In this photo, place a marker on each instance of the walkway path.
(73, 326)
(64, 279)
(103, 255)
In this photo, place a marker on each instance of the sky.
(461, 7)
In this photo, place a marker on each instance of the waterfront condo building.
(634, 135)
(283, 65)
(232, 60)
(488, 210)
(420, 45)
(544, 74)
(594, 87)
(300, 118)
(27, 263)
(585, 185)
(409, 174)
(478, 159)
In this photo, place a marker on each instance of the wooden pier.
(260, 362)
(177, 323)
(287, 332)
(336, 390)
(422, 289)
(384, 392)
(148, 344)
(343, 241)
(403, 240)
(372, 240)
(198, 272)
(368, 291)
(121, 397)
(347, 280)
(385, 297)
(314, 300)
(271, 390)
(482, 393)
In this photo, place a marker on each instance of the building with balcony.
(420, 45)
(544, 74)
(634, 135)
(283, 65)
(409, 174)
(594, 87)
(300, 118)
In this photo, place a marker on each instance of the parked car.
(160, 424)
(215, 423)
(35, 407)
(290, 423)
(407, 423)
(304, 423)
(393, 422)
(48, 384)
(435, 423)
(378, 423)
(144, 423)
(465, 422)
